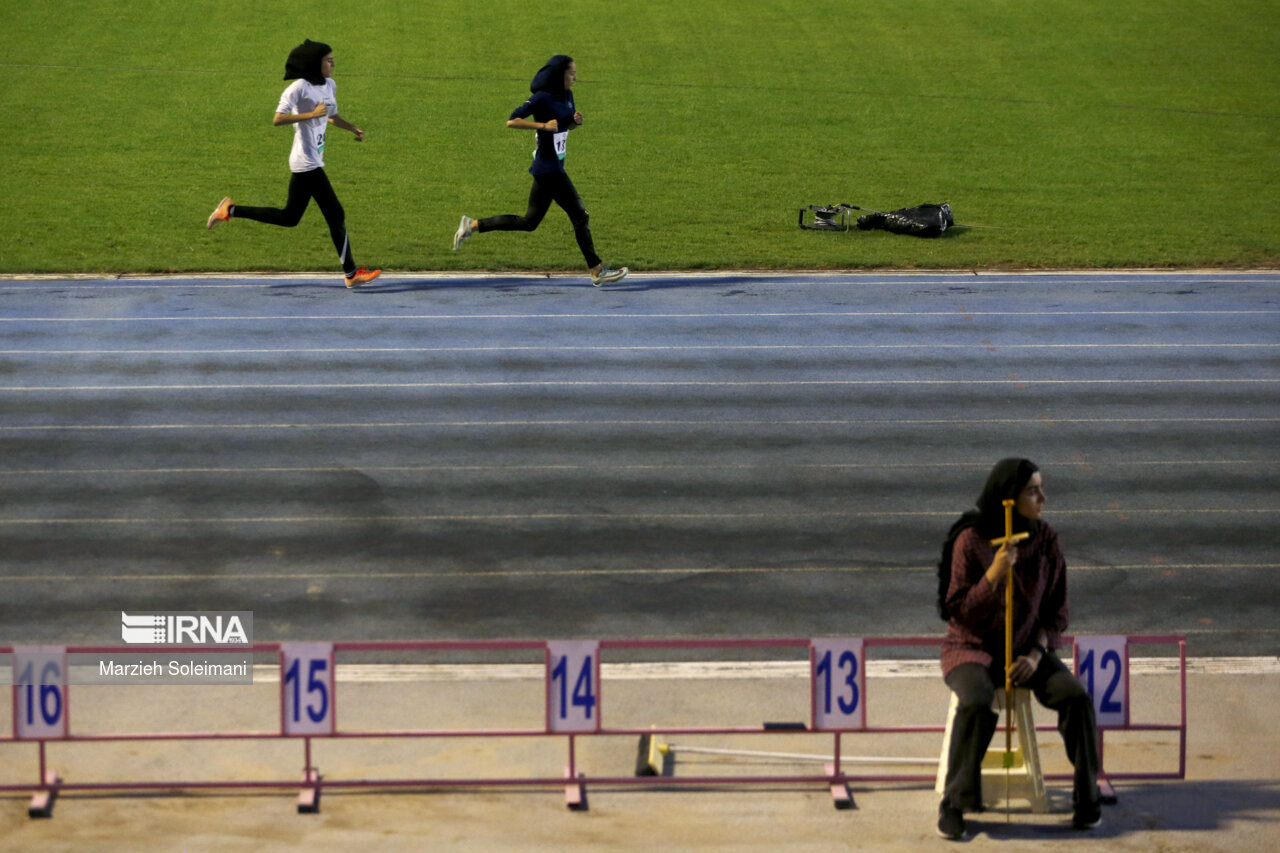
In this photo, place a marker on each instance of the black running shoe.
(1087, 817)
(950, 822)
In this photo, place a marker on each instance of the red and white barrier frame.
(574, 708)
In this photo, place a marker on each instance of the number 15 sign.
(306, 689)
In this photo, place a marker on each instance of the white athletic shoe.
(607, 275)
(464, 231)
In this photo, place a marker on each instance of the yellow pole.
(1008, 639)
(1008, 537)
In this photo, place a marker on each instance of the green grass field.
(1084, 133)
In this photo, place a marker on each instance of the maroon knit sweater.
(975, 633)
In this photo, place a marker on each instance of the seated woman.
(971, 597)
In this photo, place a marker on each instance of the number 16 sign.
(39, 692)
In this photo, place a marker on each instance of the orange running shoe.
(364, 275)
(221, 213)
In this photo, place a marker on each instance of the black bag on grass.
(923, 220)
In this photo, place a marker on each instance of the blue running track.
(707, 455)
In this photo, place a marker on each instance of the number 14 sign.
(573, 686)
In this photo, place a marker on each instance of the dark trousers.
(304, 186)
(549, 187)
(1055, 688)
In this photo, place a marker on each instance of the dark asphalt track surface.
(675, 456)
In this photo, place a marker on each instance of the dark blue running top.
(545, 106)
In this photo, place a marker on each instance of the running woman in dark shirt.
(551, 113)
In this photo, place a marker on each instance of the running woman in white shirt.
(309, 104)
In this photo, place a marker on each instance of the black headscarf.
(550, 77)
(304, 62)
(1005, 482)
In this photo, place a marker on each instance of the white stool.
(1026, 781)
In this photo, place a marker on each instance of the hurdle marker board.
(307, 694)
(40, 706)
(573, 686)
(1102, 665)
(838, 681)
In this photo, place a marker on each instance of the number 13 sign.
(838, 684)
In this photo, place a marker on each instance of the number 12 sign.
(1102, 665)
(838, 684)
(573, 686)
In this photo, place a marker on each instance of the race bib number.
(561, 141)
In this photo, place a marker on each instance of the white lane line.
(982, 345)
(125, 521)
(624, 383)
(604, 466)
(423, 575)
(584, 425)
(738, 670)
(346, 319)
(765, 670)
(588, 516)
(1035, 278)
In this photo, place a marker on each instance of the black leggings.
(304, 186)
(549, 187)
